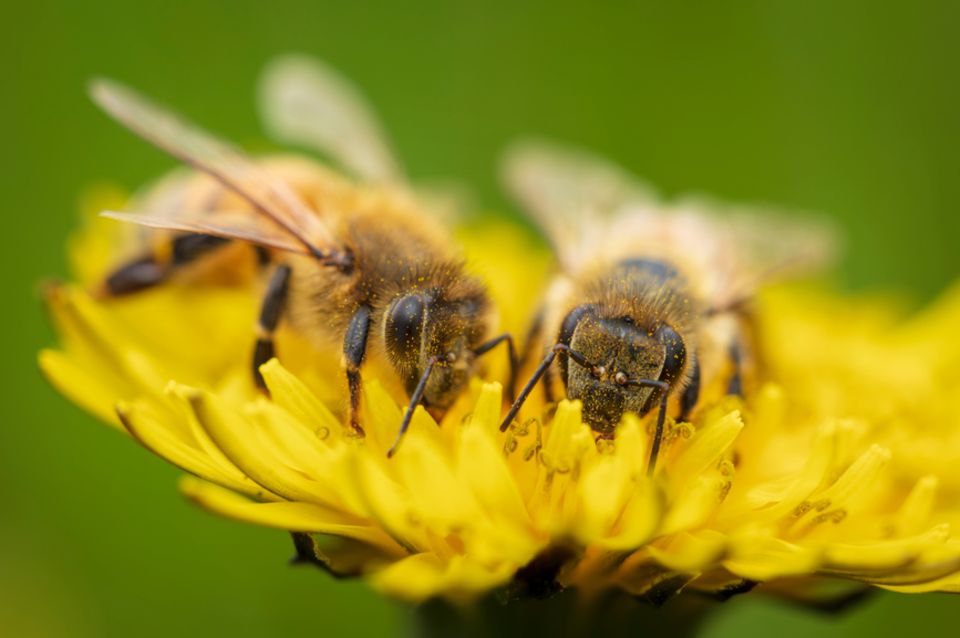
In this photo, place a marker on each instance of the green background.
(846, 108)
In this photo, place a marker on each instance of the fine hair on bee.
(650, 300)
(364, 264)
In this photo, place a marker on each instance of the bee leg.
(735, 384)
(688, 400)
(531, 341)
(548, 375)
(537, 375)
(532, 338)
(354, 350)
(745, 342)
(149, 270)
(135, 275)
(270, 310)
(511, 352)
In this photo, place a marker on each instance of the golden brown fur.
(396, 249)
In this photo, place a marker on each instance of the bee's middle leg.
(484, 348)
(354, 351)
(533, 339)
(744, 344)
(270, 310)
(735, 384)
(691, 394)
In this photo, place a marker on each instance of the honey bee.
(650, 298)
(363, 264)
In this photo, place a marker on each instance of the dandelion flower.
(840, 465)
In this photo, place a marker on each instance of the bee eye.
(599, 371)
(620, 378)
(675, 355)
(404, 326)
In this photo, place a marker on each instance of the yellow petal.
(916, 509)
(294, 517)
(882, 554)
(244, 445)
(481, 464)
(859, 475)
(288, 392)
(640, 519)
(152, 430)
(691, 553)
(382, 417)
(86, 390)
(424, 576)
(602, 492)
(706, 448)
(436, 495)
(775, 499)
(698, 501)
(386, 501)
(764, 558)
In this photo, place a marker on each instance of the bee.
(651, 299)
(361, 264)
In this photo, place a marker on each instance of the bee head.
(608, 357)
(421, 327)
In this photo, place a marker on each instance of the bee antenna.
(414, 402)
(663, 387)
(538, 374)
(340, 259)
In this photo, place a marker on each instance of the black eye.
(404, 327)
(676, 352)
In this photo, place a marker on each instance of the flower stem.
(561, 616)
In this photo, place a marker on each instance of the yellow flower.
(840, 465)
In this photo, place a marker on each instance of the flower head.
(837, 465)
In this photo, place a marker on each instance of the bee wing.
(304, 101)
(591, 209)
(231, 224)
(278, 204)
(727, 251)
(567, 191)
(750, 247)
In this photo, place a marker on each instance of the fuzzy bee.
(650, 300)
(362, 264)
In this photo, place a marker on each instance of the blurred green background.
(848, 108)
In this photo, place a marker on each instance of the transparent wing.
(728, 250)
(230, 224)
(754, 246)
(567, 191)
(590, 209)
(277, 203)
(304, 101)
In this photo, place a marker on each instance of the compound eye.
(404, 327)
(676, 352)
(620, 378)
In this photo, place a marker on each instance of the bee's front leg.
(354, 350)
(744, 343)
(484, 348)
(270, 311)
